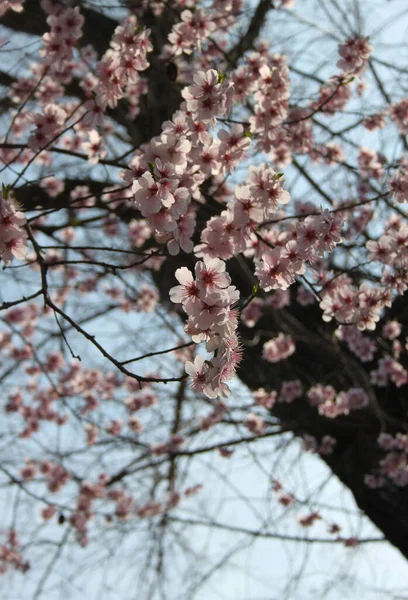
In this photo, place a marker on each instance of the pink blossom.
(278, 348)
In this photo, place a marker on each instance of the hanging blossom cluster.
(89, 493)
(277, 268)
(118, 71)
(389, 371)
(324, 448)
(399, 184)
(208, 299)
(359, 344)
(361, 306)
(332, 404)
(232, 231)
(354, 53)
(49, 125)
(269, 82)
(391, 251)
(10, 554)
(170, 172)
(398, 113)
(13, 238)
(59, 42)
(195, 27)
(394, 466)
(278, 348)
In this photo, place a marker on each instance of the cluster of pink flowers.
(319, 394)
(394, 465)
(161, 197)
(208, 97)
(49, 125)
(333, 97)
(375, 121)
(309, 520)
(94, 147)
(398, 112)
(324, 448)
(371, 163)
(55, 475)
(168, 173)
(332, 404)
(88, 492)
(194, 28)
(342, 403)
(148, 298)
(389, 370)
(290, 391)
(284, 498)
(58, 44)
(255, 424)
(391, 330)
(354, 53)
(33, 414)
(310, 239)
(118, 71)
(361, 306)
(391, 249)
(268, 77)
(140, 399)
(209, 300)
(10, 555)
(13, 238)
(278, 348)
(359, 344)
(197, 27)
(252, 313)
(399, 185)
(263, 398)
(230, 232)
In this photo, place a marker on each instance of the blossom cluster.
(354, 53)
(348, 304)
(58, 44)
(48, 125)
(10, 554)
(269, 82)
(398, 112)
(278, 348)
(208, 299)
(394, 466)
(118, 71)
(190, 32)
(166, 177)
(389, 371)
(230, 232)
(208, 97)
(359, 344)
(13, 238)
(399, 185)
(332, 404)
(311, 238)
(324, 448)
